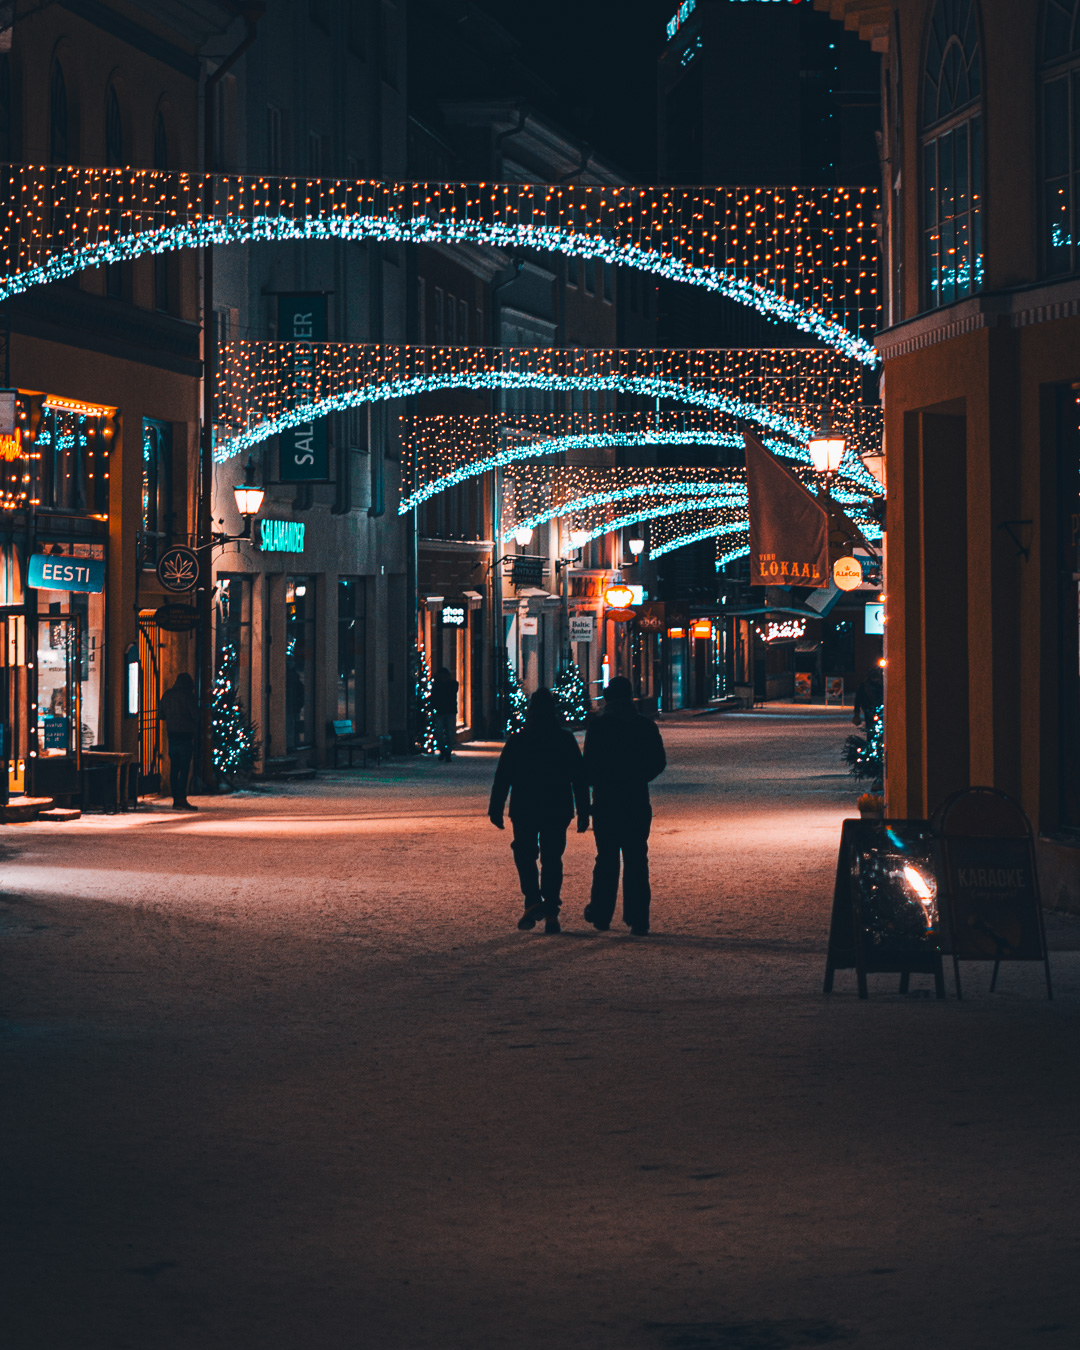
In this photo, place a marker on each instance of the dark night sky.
(600, 55)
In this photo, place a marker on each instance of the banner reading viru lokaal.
(789, 533)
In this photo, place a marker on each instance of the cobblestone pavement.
(284, 1075)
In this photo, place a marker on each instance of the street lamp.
(827, 447)
(249, 496)
(523, 534)
(579, 538)
(636, 546)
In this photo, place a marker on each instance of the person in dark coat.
(540, 768)
(624, 752)
(179, 710)
(444, 692)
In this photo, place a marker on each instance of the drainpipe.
(251, 12)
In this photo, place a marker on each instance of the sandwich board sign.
(885, 914)
(986, 860)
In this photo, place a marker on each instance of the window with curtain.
(952, 155)
(1060, 82)
(157, 490)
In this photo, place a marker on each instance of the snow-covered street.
(284, 1075)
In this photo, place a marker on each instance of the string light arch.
(267, 387)
(806, 256)
(439, 452)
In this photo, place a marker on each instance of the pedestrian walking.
(869, 698)
(540, 769)
(624, 752)
(444, 692)
(179, 710)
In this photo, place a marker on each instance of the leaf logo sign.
(178, 569)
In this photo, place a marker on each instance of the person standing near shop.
(869, 698)
(179, 710)
(540, 769)
(624, 752)
(444, 692)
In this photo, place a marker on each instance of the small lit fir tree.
(572, 695)
(865, 756)
(234, 738)
(516, 702)
(425, 714)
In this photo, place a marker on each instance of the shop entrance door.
(14, 702)
(150, 644)
(58, 732)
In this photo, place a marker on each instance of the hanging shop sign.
(527, 570)
(305, 453)
(618, 597)
(701, 630)
(650, 617)
(583, 628)
(885, 910)
(177, 618)
(281, 536)
(621, 615)
(178, 569)
(847, 573)
(47, 572)
(529, 626)
(789, 530)
(453, 616)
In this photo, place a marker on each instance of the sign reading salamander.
(305, 454)
(281, 536)
(48, 572)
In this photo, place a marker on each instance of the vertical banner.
(305, 452)
(789, 532)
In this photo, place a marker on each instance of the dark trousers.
(181, 753)
(622, 835)
(536, 837)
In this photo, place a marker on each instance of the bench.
(342, 737)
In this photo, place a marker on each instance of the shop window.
(351, 650)
(952, 155)
(233, 637)
(74, 464)
(299, 662)
(1060, 136)
(70, 688)
(156, 490)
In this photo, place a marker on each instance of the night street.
(284, 1075)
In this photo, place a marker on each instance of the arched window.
(1060, 139)
(952, 155)
(59, 119)
(6, 137)
(114, 131)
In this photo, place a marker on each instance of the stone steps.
(21, 809)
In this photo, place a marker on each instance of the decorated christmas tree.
(425, 716)
(571, 693)
(234, 738)
(865, 756)
(517, 703)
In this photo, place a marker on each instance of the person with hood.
(179, 710)
(624, 752)
(444, 692)
(540, 769)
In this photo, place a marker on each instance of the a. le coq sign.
(51, 573)
(847, 573)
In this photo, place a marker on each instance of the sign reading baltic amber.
(789, 533)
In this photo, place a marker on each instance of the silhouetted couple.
(549, 780)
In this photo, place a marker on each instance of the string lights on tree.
(806, 256)
(264, 389)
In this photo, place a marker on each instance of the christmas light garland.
(439, 452)
(806, 256)
(267, 387)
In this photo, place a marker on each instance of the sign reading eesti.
(56, 573)
(281, 536)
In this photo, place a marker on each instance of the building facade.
(981, 353)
